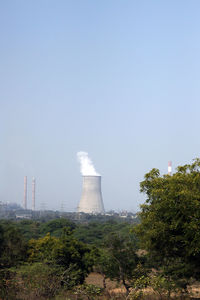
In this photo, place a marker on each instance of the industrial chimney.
(170, 168)
(91, 200)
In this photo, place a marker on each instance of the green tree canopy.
(170, 220)
(12, 246)
(119, 260)
(74, 257)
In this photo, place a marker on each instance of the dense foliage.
(40, 259)
(13, 248)
(170, 221)
(43, 258)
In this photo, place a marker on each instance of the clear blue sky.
(118, 79)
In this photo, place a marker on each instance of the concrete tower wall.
(91, 199)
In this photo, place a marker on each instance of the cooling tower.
(91, 200)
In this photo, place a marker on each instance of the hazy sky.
(117, 79)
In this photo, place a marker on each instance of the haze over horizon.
(119, 80)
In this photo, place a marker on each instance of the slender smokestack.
(25, 192)
(33, 193)
(91, 200)
(170, 168)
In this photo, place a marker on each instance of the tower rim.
(91, 175)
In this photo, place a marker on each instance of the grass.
(116, 291)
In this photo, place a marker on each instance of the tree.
(13, 248)
(170, 221)
(13, 251)
(35, 281)
(119, 261)
(55, 227)
(73, 257)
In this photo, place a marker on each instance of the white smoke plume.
(87, 167)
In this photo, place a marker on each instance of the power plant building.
(91, 200)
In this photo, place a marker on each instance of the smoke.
(87, 167)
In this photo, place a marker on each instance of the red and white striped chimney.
(169, 168)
